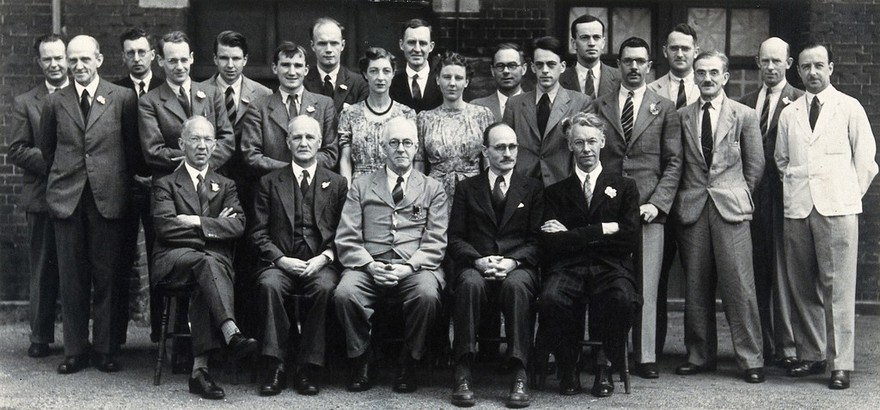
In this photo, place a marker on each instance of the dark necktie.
(543, 113)
(184, 102)
(54, 89)
(765, 110)
(292, 109)
(588, 192)
(498, 193)
(230, 104)
(202, 191)
(397, 192)
(416, 90)
(626, 117)
(706, 139)
(681, 99)
(328, 86)
(141, 89)
(85, 106)
(589, 88)
(815, 107)
(304, 183)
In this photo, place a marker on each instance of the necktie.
(815, 107)
(416, 90)
(141, 89)
(54, 89)
(304, 183)
(397, 192)
(706, 139)
(85, 105)
(589, 88)
(765, 111)
(498, 192)
(230, 104)
(292, 109)
(588, 192)
(626, 117)
(202, 191)
(328, 86)
(184, 102)
(681, 99)
(543, 113)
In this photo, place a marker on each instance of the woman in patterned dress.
(361, 125)
(451, 135)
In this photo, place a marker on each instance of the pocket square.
(520, 205)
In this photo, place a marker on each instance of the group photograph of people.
(308, 226)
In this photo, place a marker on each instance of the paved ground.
(33, 383)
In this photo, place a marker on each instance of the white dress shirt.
(493, 176)
(92, 88)
(422, 80)
(391, 178)
(582, 76)
(638, 96)
(236, 89)
(194, 175)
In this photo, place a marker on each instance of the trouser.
(43, 297)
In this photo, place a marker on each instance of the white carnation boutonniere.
(200, 94)
(310, 109)
(101, 99)
(325, 184)
(215, 187)
(343, 87)
(786, 100)
(611, 192)
(654, 109)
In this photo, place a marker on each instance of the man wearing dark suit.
(329, 77)
(88, 137)
(590, 231)
(643, 142)
(589, 75)
(297, 210)
(774, 295)
(161, 112)
(391, 240)
(24, 151)
(198, 217)
(493, 238)
(536, 116)
(263, 140)
(723, 163)
(416, 86)
(508, 68)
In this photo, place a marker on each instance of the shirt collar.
(716, 102)
(594, 174)
(92, 88)
(285, 94)
(582, 70)
(552, 93)
(147, 78)
(638, 93)
(333, 74)
(502, 99)
(51, 87)
(187, 85)
(297, 170)
(777, 88)
(236, 86)
(687, 79)
(423, 73)
(392, 176)
(493, 176)
(823, 95)
(194, 173)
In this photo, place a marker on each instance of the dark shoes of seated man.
(570, 383)
(463, 395)
(102, 362)
(275, 380)
(404, 378)
(647, 370)
(201, 383)
(37, 350)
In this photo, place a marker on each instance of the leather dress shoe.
(202, 385)
(787, 362)
(462, 395)
(754, 375)
(304, 384)
(275, 382)
(106, 363)
(807, 368)
(839, 380)
(38, 350)
(519, 392)
(404, 380)
(570, 384)
(73, 364)
(360, 378)
(687, 369)
(647, 370)
(602, 385)
(241, 346)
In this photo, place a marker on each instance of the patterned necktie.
(765, 111)
(589, 88)
(543, 113)
(588, 192)
(498, 193)
(681, 99)
(626, 117)
(141, 89)
(292, 108)
(230, 104)
(184, 102)
(416, 90)
(328, 86)
(84, 105)
(202, 191)
(706, 139)
(815, 107)
(304, 183)
(397, 192)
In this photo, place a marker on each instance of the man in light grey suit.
(508, 68)
(391, 240)
(678, 85)
(589, 75)
(825, 153)
(723, 162)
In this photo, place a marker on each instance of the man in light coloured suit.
(508, 68)
(680, 50)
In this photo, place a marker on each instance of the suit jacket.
(350, 88)
(786, 97)
(475, 231)
(545, 157)
(174, 195)
(419, 236)
(661, 87)
(609, 79)
(24, 148)
(161, 117)
(98, 152)
(264, 136)
(126, 82)
(431, 95)
(737, 164)
(830, 167)
(615, 199)
(272, 231)
(653, 156)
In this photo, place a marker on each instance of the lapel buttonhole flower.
(100, 99)
(215, 186)
(325, 184)
(310, 109)
(200, 94)
(786, 100)
(343, 87)
(654, 109)
(611, 192)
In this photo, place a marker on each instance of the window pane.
(711, 27)
(748, 28)
(630, 22)
(600, 13)
(464, 6)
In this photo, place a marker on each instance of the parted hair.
(584, 119)
(453, 58)
(231, 39)
(373, 54)
(45, 38)
(287, 49)
(172, 37)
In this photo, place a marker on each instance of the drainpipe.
(56, 16)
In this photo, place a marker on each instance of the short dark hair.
(686, 29)
(320, 21)
(414, 23)
(373, 54)
(812, 45)
(172, 37)
(46, 38)
(634, 42)
(586, 18)
(287, 49)
(489, 129)
(713, 53)
(548, 43)
(233, 39)
(135, 33)
(453, 58)
(510, 46)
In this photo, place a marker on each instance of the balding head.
(400, 142)
(303, 140)
(773, 60)
(84, 57)
(197, 141)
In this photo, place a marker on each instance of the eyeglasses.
(509, 66)
(140, 53)
(628, 62)
(197, 140)
(505, 147)
(396, 143)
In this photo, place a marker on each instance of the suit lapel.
(726, 119)
(611, 111)
(70, 102)
(308, 101)
(606, 85)
(380, 187)
(414, 188)
(482, 195)
(102, 93)
(321, 184)
(340, 93)
(576, 194)
(284, 186)
(199, 104)
(247, 91)
(823, 121)
(514, 198)
(530, 112)
(171, 104)
(557, 112)
(278, 112)
(187, 190)
(599, 195)
(692, 138)
(645, 117)
(213, 182)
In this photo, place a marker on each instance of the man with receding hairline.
(330, 77)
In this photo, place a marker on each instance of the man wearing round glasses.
(508, 68)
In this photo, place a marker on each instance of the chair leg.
(624, 371)
(160, 356)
